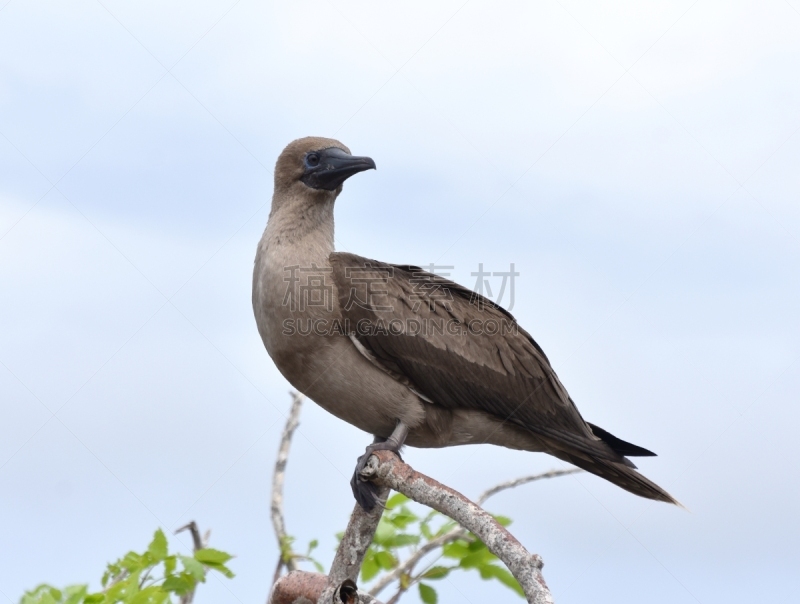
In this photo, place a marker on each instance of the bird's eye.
(312, 160)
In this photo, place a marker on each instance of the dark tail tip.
(620, 446)
(621, 475)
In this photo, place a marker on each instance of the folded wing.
(459, 350)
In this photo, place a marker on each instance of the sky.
(636, 162)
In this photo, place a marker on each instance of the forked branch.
(389, 472)
(406, 567)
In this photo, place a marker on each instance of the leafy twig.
(198, 543)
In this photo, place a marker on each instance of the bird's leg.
(365, 492)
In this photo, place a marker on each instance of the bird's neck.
(302, 229)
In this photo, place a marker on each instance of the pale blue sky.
(637, 162)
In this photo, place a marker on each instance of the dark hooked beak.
(334, 167)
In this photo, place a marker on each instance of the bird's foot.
(364, 491)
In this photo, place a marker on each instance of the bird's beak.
(335, 166)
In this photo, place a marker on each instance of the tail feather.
(622, 476)
(618, 445)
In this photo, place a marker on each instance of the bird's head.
(317, 166)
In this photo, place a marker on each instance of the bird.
(401, 353)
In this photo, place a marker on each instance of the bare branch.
(276, 507)
(524, 480)
(298, 586)
(353, 546)
(384, 468)
(357, 538)
(302, 587)
(344, 569)
(197, 541)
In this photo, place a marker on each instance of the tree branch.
(407, 565)
(199, 543)
(387, 471)
(524, 480)
(285, 558)
(354, 544)
(384, 468)
(339, 586)
(356, 540)
(298, 586)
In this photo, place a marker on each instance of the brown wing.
(458, 349)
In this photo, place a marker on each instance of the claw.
(365, 492)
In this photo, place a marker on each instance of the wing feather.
(458, 349)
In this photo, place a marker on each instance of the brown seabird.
(403, 354)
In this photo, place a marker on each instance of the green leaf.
(428, 594)
(212, 556)
(476, 544)
(426, 531)
(221, 568)
(132, 562)
(502, 520)
(396, 500)
(430, 516)
(117, 591)
(457, 550)
(384, 532)
(403, 518)
(477, 559)
(491, 571)
(436, 572)
(41, 595)
(134, 578)
(158, 546)
(445, 528)
(401, 540)
(286, 548)
(169, 565)
(385, 560)
(150, 595)
(179, 584)
(369, 568)
(125, 589)
(194, 568)
(75, 594)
